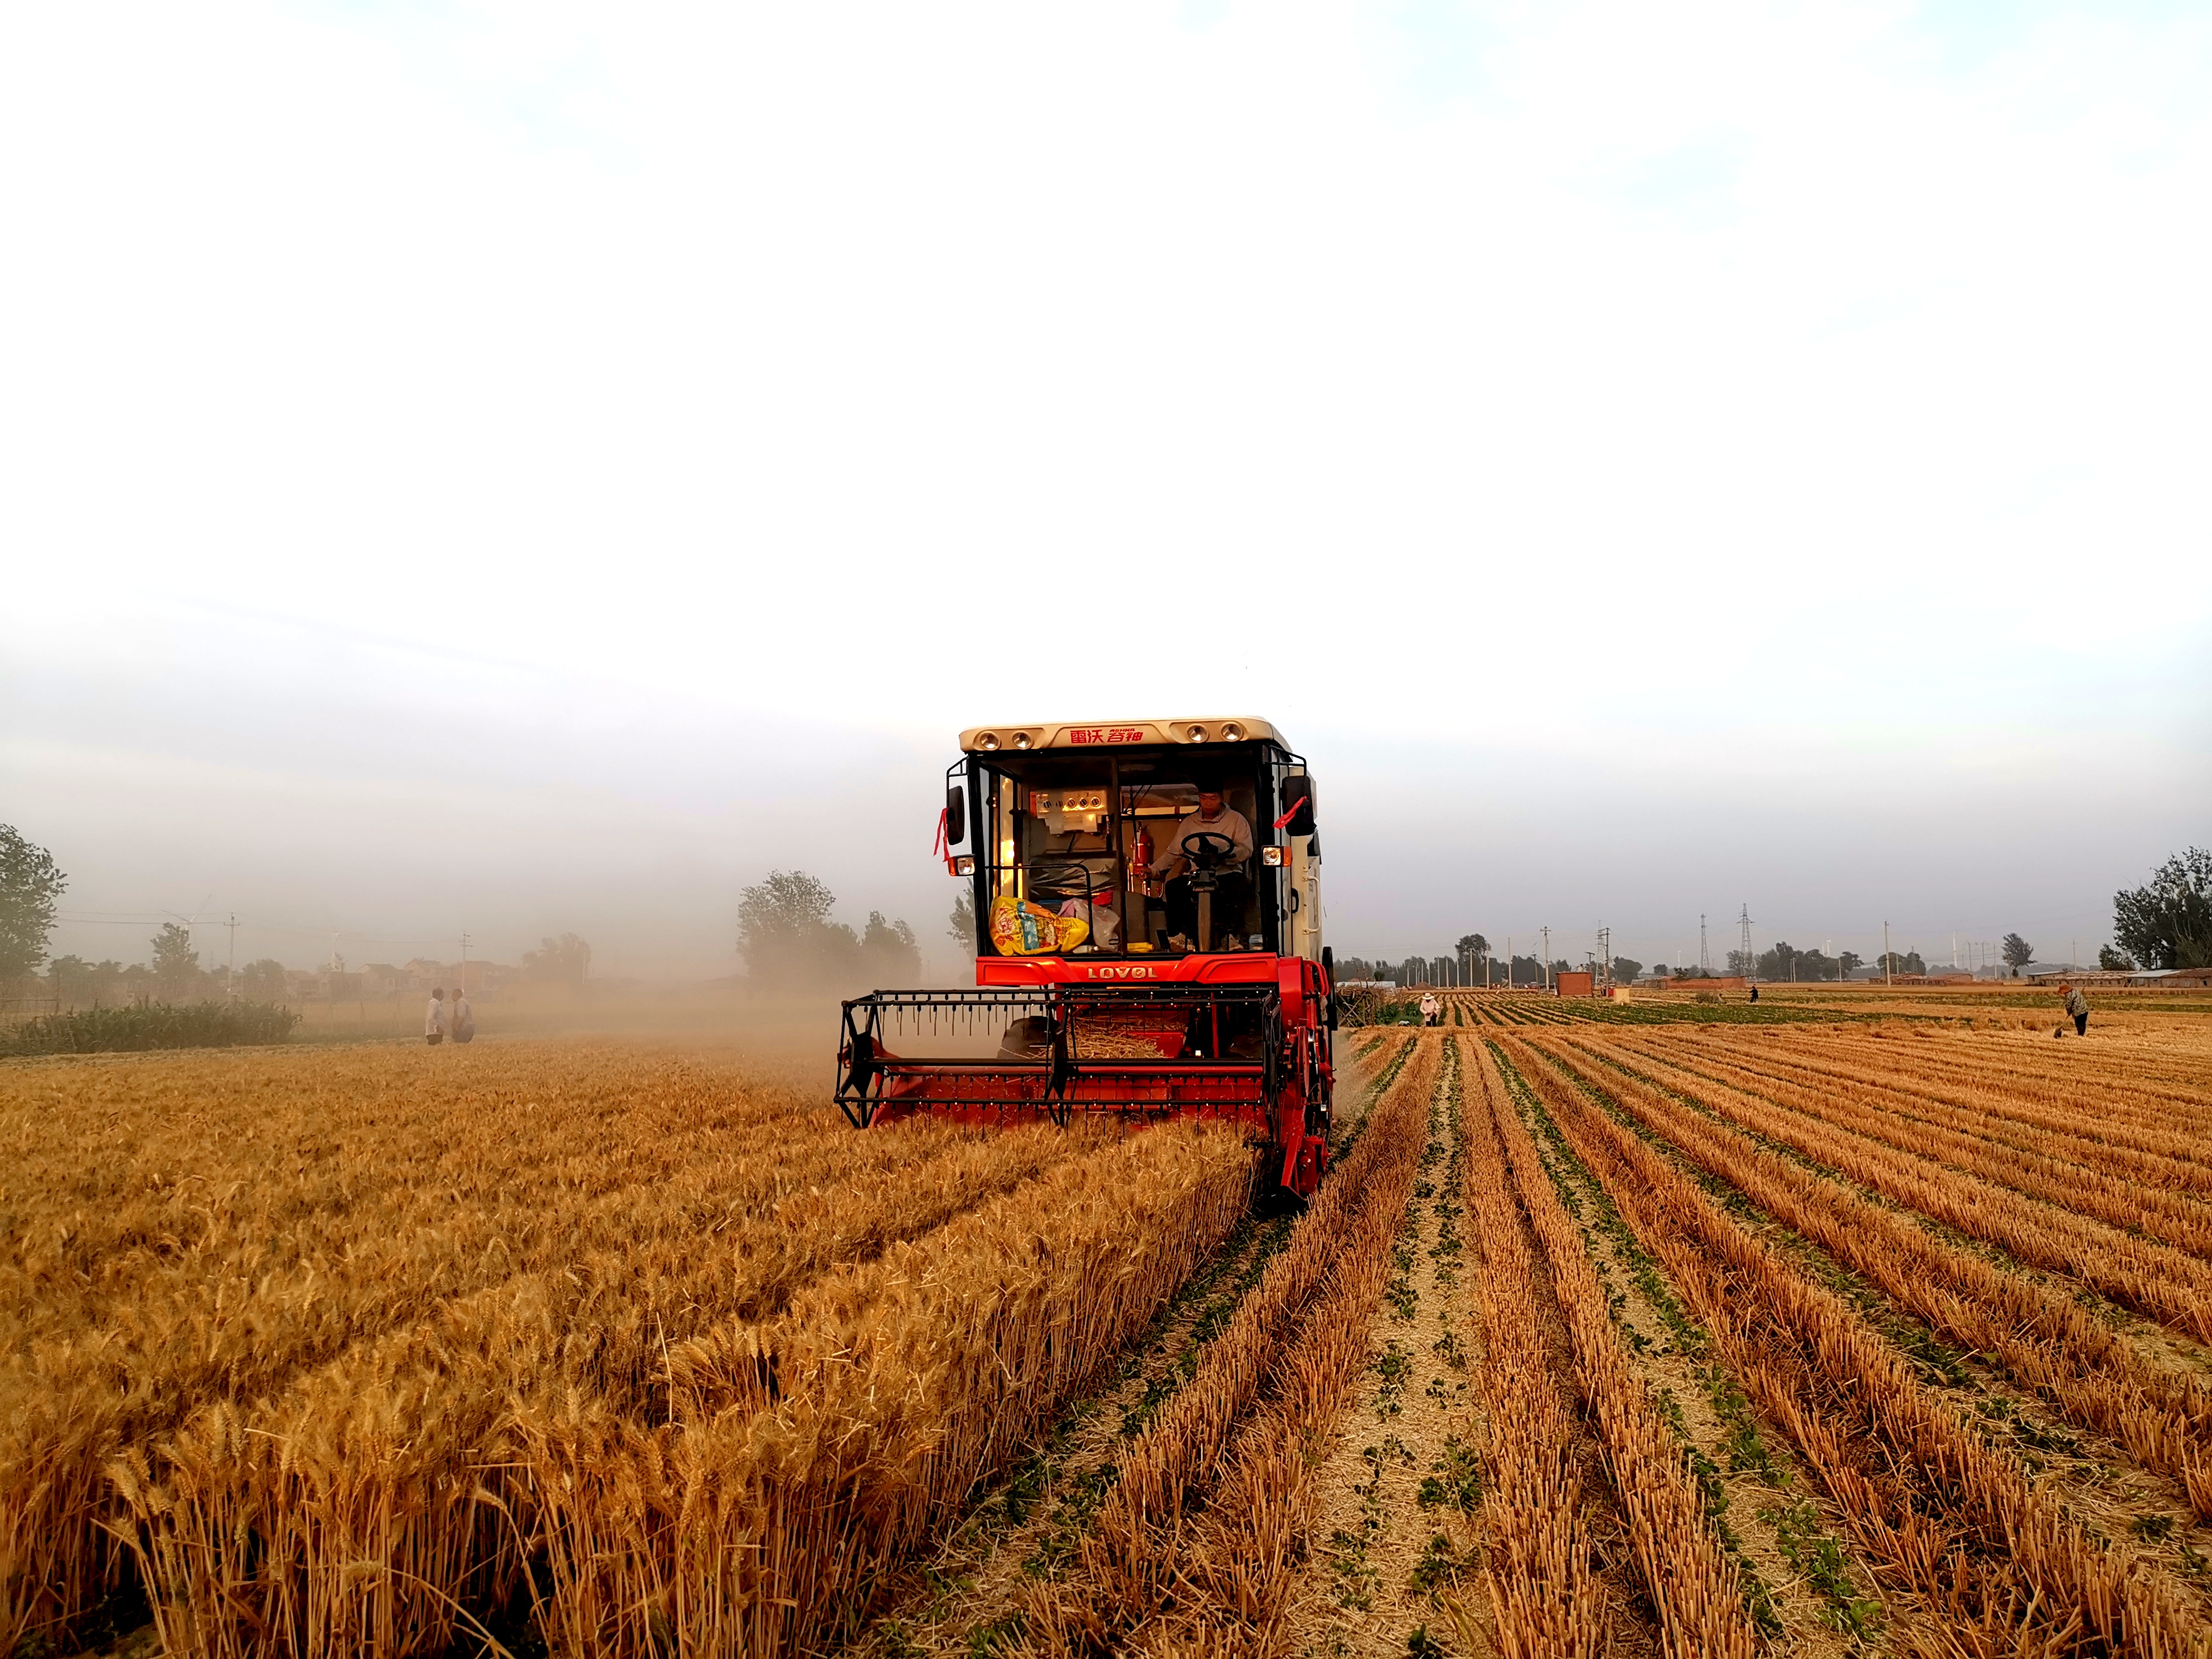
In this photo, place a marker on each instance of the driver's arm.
(1170, 860)
(1240, 835)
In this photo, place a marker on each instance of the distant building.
(381, 979)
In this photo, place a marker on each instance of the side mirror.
(1298, 804)
(956, 815)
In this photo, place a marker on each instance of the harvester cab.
(1148, 942)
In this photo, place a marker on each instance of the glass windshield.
(1131, 856)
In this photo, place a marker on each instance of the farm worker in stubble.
(2078, 1010)
(1431, 1009)
(433, 1019)
(463, 1018)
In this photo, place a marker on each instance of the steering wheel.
(1206, 850)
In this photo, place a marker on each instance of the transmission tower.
(1746, 920)
(1705, 955)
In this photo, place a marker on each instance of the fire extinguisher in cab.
(1140, 859)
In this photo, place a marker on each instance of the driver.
(1215, 817)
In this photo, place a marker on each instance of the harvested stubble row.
(1997, 1565)
(1538, 1562)
(2046, 1339)
(2071, 1167)
(2065, 1168)
(1695, 1594)
(2133, 1091)
(2169, 1284)
(1196, 1547)
(2146, 1147)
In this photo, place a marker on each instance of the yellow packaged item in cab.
(1019, 928)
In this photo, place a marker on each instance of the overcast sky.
(525, 466)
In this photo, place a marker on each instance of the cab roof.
(1101, 734)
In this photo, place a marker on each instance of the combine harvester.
(1147, 899)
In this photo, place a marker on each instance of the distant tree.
(263, 981)
(1661, 971)
(176, 965)
(81, 984)
(788, 938)
(2112, 962)
(1850, 962)
(1626, 970)
(962, 930)
(30, 886)
(1780, 963)
(1913, 964)
(1738, 962)
(2017, 952)
(562, 961)
(2168, 922)
(1472, 947)
(889, 954)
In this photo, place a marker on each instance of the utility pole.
(1705, 955)
(1604, 953)
(230, 972)
(1548, 958)
(1885, 953)
(1509, 962)
(465, 961)
(1747, 964)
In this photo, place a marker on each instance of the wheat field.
(1825, 1336)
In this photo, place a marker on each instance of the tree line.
(788, 940)
(788, 936)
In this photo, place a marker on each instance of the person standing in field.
(463, 1017)
(2078, 1010)
(1431, 1009)
(434, 1019)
